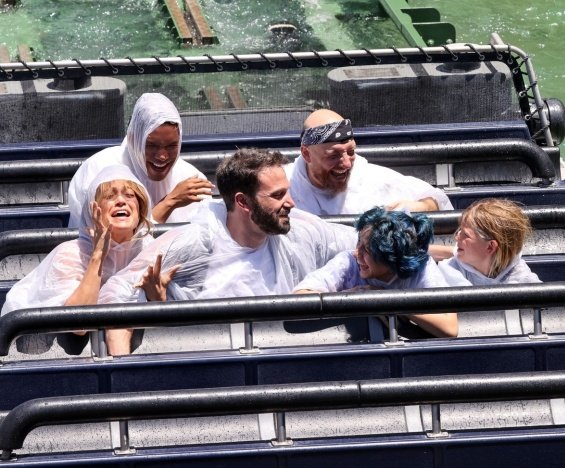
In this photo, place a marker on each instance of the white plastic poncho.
(151, 111)
(213, 265)
(52, 282)
(458, 273)
(369, 186)
(342, 273)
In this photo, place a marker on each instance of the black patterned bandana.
(334, 131)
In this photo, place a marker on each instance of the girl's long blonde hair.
(502, 221)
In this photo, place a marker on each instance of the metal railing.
(528, 94)
(276, 398)
(290, 307)
(401, 154)
(29, 241)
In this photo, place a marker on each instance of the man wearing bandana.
(330, 178)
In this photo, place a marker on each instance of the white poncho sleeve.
(340, 273)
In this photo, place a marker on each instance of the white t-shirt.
(369, 186)
(342, 273)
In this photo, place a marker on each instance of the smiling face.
(272, 203)
(368, 266)
(474, 249)
(330, 164)
(120, 207)
(161, 151)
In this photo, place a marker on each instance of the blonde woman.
(490, 239)
(114, 228)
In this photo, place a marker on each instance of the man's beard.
(269, 223)
(331, 184)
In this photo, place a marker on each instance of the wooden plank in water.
(4, 54)
(235, 98)
(213, 97)
(203, 30)
(24, 53)
(180, 24)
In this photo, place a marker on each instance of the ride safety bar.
(275, 398)
(284, 307)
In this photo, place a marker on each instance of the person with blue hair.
(391, 253)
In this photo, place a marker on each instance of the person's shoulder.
(183, 169)
(372, 169)
(101, 159)
(290, 166)
(520, 272)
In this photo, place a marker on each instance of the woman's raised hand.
(100, 234)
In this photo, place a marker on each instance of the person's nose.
(162, 154)
(120, 200)
(289, 202)
(346, 160)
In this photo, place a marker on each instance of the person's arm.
(191, 190)
(178, 246)
(119, 341)
(440, 325)
(88, 289)
(440, 252)
(425, 204)
(415, 194)
(332, 277)
(306, 291)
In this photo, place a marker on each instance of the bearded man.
(330, 178)
(251, 243)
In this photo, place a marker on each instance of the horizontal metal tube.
(273, 398)
(391, 155)
(328, 55)
(288, 307)
(29, 241)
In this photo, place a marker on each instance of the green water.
(62, 29)
(537, 27)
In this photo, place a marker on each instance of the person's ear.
(492, 246)
(305, 153)
(241, 201)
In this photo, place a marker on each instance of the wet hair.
(396, 239)
(239, 173)
(503, 221)
(142, 201)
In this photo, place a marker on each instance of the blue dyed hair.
(398, 240)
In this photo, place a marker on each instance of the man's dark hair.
(238, 173)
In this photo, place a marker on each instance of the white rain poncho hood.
(369, 186)
(213, 265)
(52, 282)
(458, 273)
(151, 111)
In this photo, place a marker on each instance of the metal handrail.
(36, 241)
(74, 68)
(390, 155)
(274, 398)
(284, 307)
